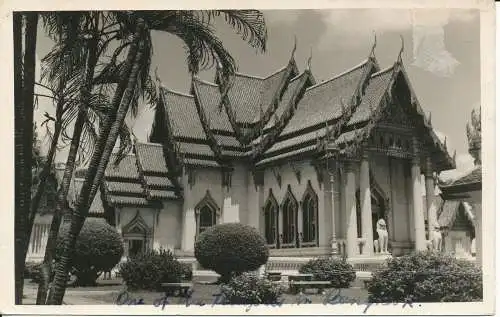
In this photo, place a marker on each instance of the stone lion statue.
(436, 238)
(383, 237)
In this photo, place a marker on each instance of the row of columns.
(349, 195)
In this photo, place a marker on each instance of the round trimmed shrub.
(98, 249)
(148, 270)
(426, 277)
(338, 271)
(231, 249)
(249, 289)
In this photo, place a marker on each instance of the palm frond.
(250, 24)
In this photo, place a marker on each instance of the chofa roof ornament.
(372, 51)
(400, 57)
(308, 66)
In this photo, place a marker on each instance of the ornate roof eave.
(214, 146)
(352, 149)
(171, 152)
(449, 160)
(270, 138)
(291, 71)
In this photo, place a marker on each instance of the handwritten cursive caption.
(334, 297)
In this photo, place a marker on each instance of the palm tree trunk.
(108, 135)
(92, 57)
(60, 207)
(24, 93)
(44, 174)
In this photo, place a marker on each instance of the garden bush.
(98, 249)
(248, 288)
(148, 270)
(338, 271)
(231, 249)
(426, 277)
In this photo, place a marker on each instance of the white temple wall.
(168, 226)
(128, 213)
(255, 202)
(235, 197)
(205, 179)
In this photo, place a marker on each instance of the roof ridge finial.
(309, 60)
(372, 52)
(400, 58)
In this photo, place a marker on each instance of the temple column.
(350, 201)
(429, 195)
(366, 206)
(333, 193)
(300, 224)
(188, 230)
(418, 212)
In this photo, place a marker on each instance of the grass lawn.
(115, 293)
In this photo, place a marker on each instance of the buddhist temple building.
(463, 196)
(312, 165)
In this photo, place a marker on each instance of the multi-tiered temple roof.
(263, 121)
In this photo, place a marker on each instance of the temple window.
(309, 217)
(271, 221)
(290, 212)
(207, 214)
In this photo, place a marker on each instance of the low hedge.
(148, 270)
(248, 288)
(426, 277)
(338, 271)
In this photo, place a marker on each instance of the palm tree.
(87, 108)
(24, 77)
(204, 48)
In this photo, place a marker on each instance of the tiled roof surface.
(287, 154)
(123, 187)
(209, 98)
(96, 206)
(126, 169)
(285, 101)
(245, 96)
(475, 176)
(183, 115)
(448, 213)
(377, 85)
(322, 102)
(248, 94)
(162, 194)
(151, 158)
(127, 200)
(297, 140)
(450, 210)
(227, 140)
(194, 148)
(199, 162)
(157, 181)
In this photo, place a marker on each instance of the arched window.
(309, 217)
(271, 220)
(290, 211)
(207, 214)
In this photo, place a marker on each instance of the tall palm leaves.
(24, 76)
(203, 50)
